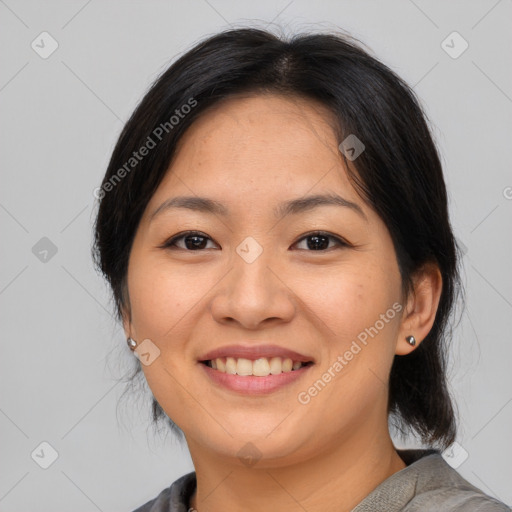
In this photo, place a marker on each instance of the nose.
(254, 294)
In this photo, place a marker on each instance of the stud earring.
(411, 340)
(131, 343)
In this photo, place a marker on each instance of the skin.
(251, 153)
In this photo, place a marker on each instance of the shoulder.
(455, 500)
(440, 487)
(428, 484)
(174, 498)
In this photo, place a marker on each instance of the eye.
(193, 241)
(319, 241)
(196, 241)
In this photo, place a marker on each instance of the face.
(273, 318)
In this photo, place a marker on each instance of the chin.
(261, 445)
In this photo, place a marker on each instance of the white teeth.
(261, 367)
(221, 365)
(276, 365)
(231, 365)
(287, 365)
(244, 366)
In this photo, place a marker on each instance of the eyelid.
(169, 243)
(339, 240)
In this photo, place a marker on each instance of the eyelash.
(171, 243)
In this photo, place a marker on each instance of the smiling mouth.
(261, 367)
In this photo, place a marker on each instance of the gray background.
(62, 352)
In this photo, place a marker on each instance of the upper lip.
(255, 352)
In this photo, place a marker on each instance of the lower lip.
(252, 385)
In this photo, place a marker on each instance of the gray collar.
(427, 483)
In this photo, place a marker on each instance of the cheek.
(350, 389)
(163, 299)
(161, 296)
(350, 298)
(359, 308)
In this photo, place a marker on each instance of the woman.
(274, 227)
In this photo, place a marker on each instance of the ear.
(126, 323)
(421, 308)
(126, 316)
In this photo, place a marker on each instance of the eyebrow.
(292, 207)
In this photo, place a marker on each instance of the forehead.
(244, 123)
(255, 152)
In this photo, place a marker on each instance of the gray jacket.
(427, 484)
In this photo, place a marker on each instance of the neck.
(337, 479)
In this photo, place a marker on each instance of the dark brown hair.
(399, 175)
